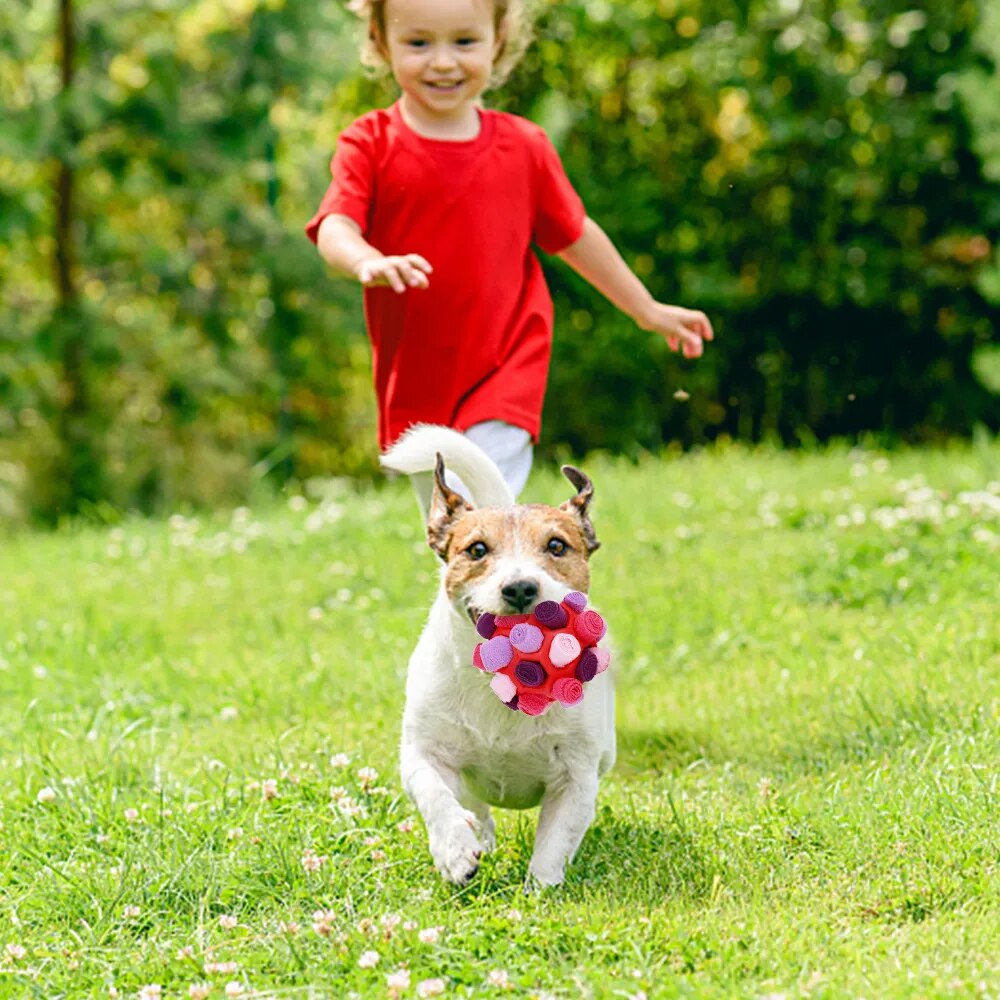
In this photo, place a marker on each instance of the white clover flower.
(499, 979)
(398, 980)
(368, 959)
(312, 862)
(350, 807)
(430, 988)
(221, 968)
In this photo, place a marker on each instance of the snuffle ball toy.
(543, 657)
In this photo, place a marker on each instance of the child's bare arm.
(594, 257)
(342, 246)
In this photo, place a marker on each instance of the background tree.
(820, 177)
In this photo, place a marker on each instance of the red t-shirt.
(475, 345)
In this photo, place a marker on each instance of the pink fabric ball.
(543, 658)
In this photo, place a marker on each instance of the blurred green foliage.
(821, 178)
(806, 174)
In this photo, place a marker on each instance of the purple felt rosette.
(530, 673)
(496, 653)
(551, 615)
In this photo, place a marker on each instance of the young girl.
(434, 205)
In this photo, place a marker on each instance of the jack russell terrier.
(462, 749)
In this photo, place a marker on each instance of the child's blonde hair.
(512, 14)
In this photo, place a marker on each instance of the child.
(433, 207)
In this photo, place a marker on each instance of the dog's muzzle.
(520, 595)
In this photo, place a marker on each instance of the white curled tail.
(417, 451)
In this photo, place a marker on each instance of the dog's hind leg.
(451, 829)
(567, 812)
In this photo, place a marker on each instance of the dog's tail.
(417, 451)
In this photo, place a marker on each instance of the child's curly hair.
(511, 13)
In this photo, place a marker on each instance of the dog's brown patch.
(558, 541)
(447, 507)
(580, 504)
(506, 531)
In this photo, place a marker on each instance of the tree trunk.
(64, 183)
(81, 475)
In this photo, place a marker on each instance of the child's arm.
(594, 257)
(342, 246)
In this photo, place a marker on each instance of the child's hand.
(684, 328)
(405, 271)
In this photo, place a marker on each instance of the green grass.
(805, 804)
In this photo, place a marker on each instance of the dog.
(462, 749)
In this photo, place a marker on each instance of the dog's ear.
(447, 507)
(580, 505)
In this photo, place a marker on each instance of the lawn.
(199, 717)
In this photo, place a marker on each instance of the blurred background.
(822, 179)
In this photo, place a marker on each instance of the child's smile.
(441, 55)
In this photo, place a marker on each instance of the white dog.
(462, 749)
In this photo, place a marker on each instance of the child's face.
(441, 53)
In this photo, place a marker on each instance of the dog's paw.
(456, 848)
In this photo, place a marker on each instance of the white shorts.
(510, 448)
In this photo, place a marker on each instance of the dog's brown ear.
(580, 505)
(447, 507)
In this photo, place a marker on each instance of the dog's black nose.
(519, 594)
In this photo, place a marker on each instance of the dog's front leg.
(434, 787)
(567, 811)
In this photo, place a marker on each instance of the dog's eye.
(556, 546)
(477, 550)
